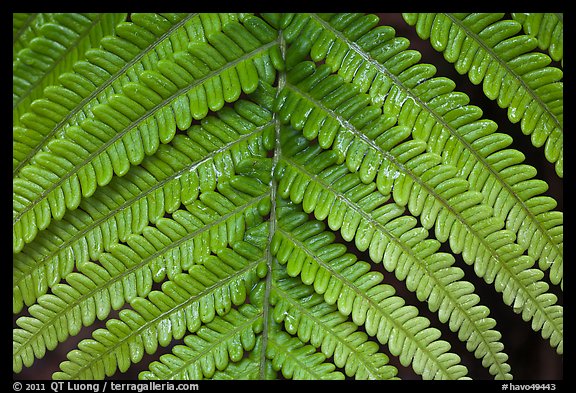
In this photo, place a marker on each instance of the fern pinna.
(281, 195)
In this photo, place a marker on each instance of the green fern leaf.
(60, 42)
(174, 175)
(211, 348)
(299, 361)
(437, 282)
(129, 271)
(26, 27)
(370, 148)
(284, 196)
(184, 303)
(120, 59)
(511, 72)
(248, 368)
(115, 129)
(308, 316)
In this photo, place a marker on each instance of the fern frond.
(166, 98)
(347, 203)
(61, 41)
(238, 188)
(141, 44)
(371, 145)
(306, 315)
(184, 304)
(353, 208)
(174, 245)
(325, 107)
(174, 175)
(89, 294)
(310, 252)
(430, 89)
(548, 29)
(213, 347)
(512, 73)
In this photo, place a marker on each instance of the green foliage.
(256, 193)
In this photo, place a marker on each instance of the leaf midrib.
(80, 234)
(273, 222)
(97, 91)
(405, 249)
(134, 124)
(48, 71)
(142, 264)
(519, 202)
(163, 315)
(473, 36)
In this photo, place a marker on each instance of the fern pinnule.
(548, 28)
